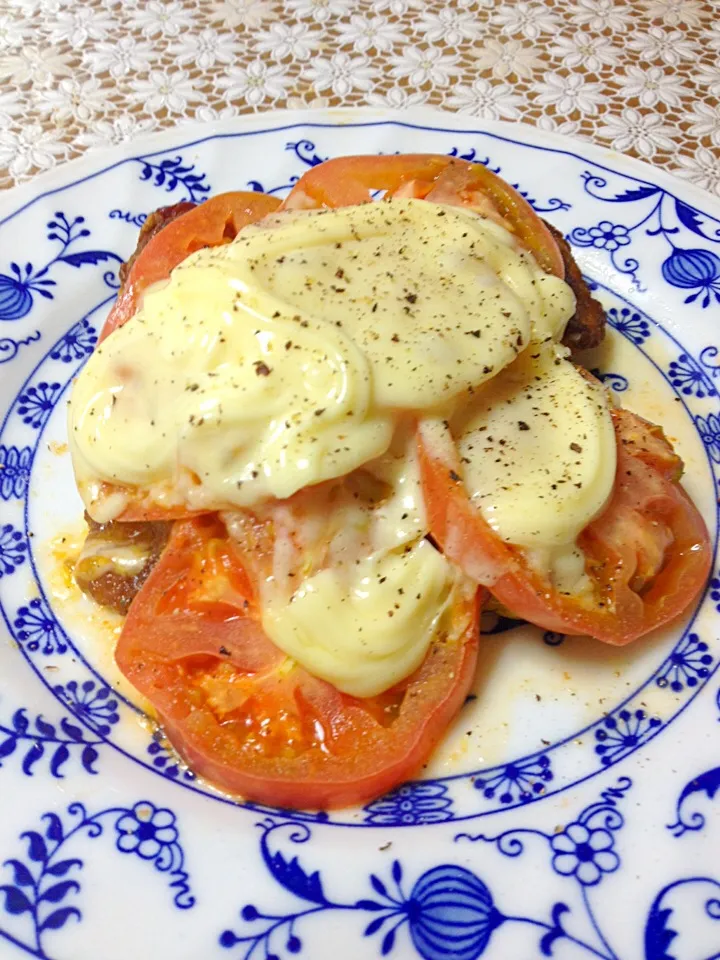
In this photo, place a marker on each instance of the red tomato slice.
(351, 180)
(214, 222)
(648, 554)
(252, 721)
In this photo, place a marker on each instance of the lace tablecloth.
(642, 76)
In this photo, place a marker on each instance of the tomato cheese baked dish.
(316, 438)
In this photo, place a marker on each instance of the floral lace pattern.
(642, 76)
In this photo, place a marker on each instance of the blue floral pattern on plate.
(45, 881)
(14, 471)
(449, 910)
(20, 286)
(694, 270)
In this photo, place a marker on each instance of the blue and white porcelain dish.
(574, 808)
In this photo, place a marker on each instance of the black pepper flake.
(262, 369)
(411, 298)
(522, 425)
(576, 448)
(474, 333)
(223, 651)
(320, 411)
(455, 477)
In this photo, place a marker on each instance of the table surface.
(641, 76)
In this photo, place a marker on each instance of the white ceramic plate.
(570, 811)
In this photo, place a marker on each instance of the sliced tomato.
(214, 222)
(254, 722)
(648, 554)
(352, 180)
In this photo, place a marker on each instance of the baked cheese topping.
(300, 356)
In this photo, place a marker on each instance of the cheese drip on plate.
(285, 358)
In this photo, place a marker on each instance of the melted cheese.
(364, 630)
(252, 406)
(437, 299)
(126, 559)
(538, 450)
(399, 517)
(284, 358)
(355, 593)
(284, 373)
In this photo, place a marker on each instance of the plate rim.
(97, 161)
(341, 118)
(437, 845)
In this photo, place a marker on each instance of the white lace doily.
(641, 76)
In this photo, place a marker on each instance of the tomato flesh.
(212, 223)
(257, 724)
(352, 180)
(648, 554)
